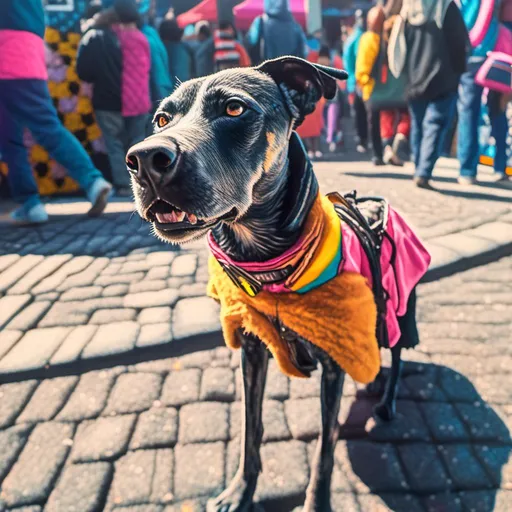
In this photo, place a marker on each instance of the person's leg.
(387, 126)
(113, 129)
(35, 108)
(135, 129)
(20, 177)
(374, 127)
(437, 119)
(361, 122)
(404, 123)
(333, 109)
(417, 109)
(499, 124)
(469, 108)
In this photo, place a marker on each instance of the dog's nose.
(150, 159)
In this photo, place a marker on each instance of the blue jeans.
(469, 110)
(429, 123)
(499, 129)
(27, 104)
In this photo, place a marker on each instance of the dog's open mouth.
(168, 217)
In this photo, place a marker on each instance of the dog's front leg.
(238, 496)
(318, 494)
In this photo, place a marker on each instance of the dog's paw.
(236, 498)
(385, 412)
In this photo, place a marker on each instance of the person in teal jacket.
(349, 63)
(470, 93)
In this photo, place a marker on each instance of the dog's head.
(216, 138)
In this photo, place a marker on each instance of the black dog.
(219, 161)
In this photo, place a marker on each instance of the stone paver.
(204, 422)
(112, 339)
(181, 387)
(32, 477)
(83, 484)
(102, 439)
(156, 428)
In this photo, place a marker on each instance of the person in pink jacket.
(25, 103)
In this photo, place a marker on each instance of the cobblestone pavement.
(78, 289)
(162, 436)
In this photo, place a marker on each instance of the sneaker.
(467, 180)
(318, 154)
(98, 194)
(332, 147)
(502, 178)
(35, 214)
(377, 162)
(422, 182)
(311, 155)
(360, 148)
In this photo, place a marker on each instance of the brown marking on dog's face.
(270, 154)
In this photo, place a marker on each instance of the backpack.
(368, 218)
(257, 51)
(389, 91)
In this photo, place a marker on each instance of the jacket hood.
(277, 8)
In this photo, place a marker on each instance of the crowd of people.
(414, 69)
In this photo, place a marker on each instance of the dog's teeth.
(192, 218)
(181, 216)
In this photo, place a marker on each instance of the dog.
(225, 162)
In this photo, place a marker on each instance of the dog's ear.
(302, 83)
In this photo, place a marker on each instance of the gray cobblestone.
(7, 340)
(278, 384)
(193, 290)
(89, 397)
(72, 346)
(84, 278)
(158, 258)
(157, 273)
(115, 290)
(304, 388)
(12, 441)
(161, 490)
(28, 317)
(132, 478)
(218, 385)
(497, 463)
(303, 417)
(102, 439)
(154, 334)
(82, 484)
(13, 397)
(51, 296)
(82, 293)
(32, 477)
(134, 392)
(148, 286)
(119, 279)
(156, 428)
(204, 422)
(17, 270)
(48, 399)
(444, 423)
(430, 476)
(199, 470)
(39, 272)
(151, 299)
(7, 260)
(112, 338)
(181, 387)
(107, 316)
(155, 315)
(482, 423)
(184, 265)
(178, 282)
(285, 470)
(10, 305)
(194, 316)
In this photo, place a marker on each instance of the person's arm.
(245, 60)
(86, 60)
(253, 35)
(457, 38)
(369, 46)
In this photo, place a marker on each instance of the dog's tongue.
(166, 217)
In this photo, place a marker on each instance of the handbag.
(496, 73)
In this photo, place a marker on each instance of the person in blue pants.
(470, 94)
(25, 103)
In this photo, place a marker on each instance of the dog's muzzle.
(152, 161)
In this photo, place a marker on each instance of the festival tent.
(206, 10)
(250, 9)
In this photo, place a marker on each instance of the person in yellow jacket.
(368, 51)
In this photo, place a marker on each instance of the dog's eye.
(235, 109)
(162, 120)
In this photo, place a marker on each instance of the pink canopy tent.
(248, 10)
(206, 10)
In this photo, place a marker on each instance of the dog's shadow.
(444, 451)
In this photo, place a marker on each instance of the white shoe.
(467, 180)
(32, 215)
(98, 194)
(318, 154)
(311, 155)
(332, 147)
